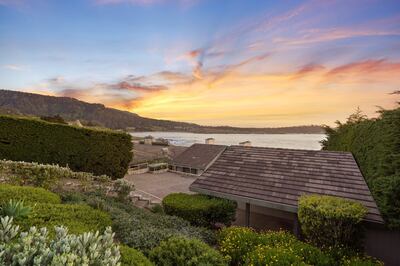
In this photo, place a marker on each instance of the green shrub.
(102, 152)
(15, 209)
(200, 210)
(41, 175)
(34, 247)
(27, 194)
(328, 221)
(157, 208)
(78, 218)
(180, 251)
(142, 229)
(375, 144)
(123, 188)
(236, 242)
(386, 191)
(132, 257)
(310, 254)
(265, 255)
(360, 261)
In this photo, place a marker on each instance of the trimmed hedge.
(132, 257)
(78, 218)
(41, 175)
(179, 251)
(200, 210)
(27, 194)
(102, 152)
(328, 221)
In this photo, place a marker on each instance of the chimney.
(245, 143)
(210, 141)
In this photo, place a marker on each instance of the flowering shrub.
(328, 221)
(273, 256)
(360, 261)
(179, 251)
(34, 247)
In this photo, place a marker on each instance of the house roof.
(198, 156)
(276, 178)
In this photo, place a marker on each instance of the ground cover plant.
(102, 152)
(139, 228)
(200, 210)
(328, 221)
(132, 257)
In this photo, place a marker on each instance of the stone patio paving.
(160, 185)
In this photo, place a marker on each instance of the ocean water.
(290, 141)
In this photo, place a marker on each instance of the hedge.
(179, 251)
(328, 221)
(41, 175)
(138, 228)
(375, 144)
(78, 218)
(133, 257)
(200, 210)
(27, 194)
(102, 152)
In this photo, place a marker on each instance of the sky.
(249, 63)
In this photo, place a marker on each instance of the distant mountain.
(15, 102)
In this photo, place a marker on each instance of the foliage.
(271, 256)
(27, 194)
(179, 251)
(200, 210)
(15, 209)
(132, 257)
(157, 208)
(328, 221)
(41, 175)
(375, 144)
(142, 229)
(123, 188)
(236, 242)
(386, 191)
(360, 261)
(54, 119)
(102, 152)
(78, 218)
(34, 247)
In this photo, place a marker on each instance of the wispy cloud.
(14, 67)
(183, 3)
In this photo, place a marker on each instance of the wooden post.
(247, 214)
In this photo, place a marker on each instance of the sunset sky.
(217, 62)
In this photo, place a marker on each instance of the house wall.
(262, 218)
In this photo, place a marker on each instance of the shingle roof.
(277, 177)
(199, 156)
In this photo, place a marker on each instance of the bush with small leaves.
(123, 188)
(200, 210)
(27, 194)
(15, 209)
(328, 221)
(360, 261)
(133, 257)
(34, 247)
(179, 251)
